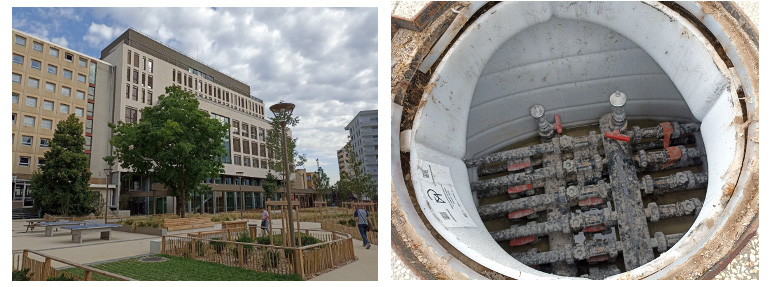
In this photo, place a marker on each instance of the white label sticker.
(438, 190)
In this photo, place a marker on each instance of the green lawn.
(184, 269)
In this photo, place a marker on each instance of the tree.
(61, 185)
(174, 143)
(321, 180)
(275, 145)
(358, 182)
(270, 185)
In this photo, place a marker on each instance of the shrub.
(278, 240)
(271, 258)
(218, 245)
(21, 275)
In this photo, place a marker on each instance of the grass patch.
(183, 269)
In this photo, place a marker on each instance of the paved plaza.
(125, 245)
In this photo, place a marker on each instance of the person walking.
(265, 221)
(361, 218)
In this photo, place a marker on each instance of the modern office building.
(342, 159)
(50, 82)
(363, 139)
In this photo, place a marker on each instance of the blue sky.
(324, 60)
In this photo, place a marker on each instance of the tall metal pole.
(286, 183)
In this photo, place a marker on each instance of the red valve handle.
(616, 135)
(557, 125)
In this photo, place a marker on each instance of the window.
(149, 97)
(21, 40)
(79, 112)
(144, 63)
(92, 73)
(90, 109)
(255, 162)
(254, 148)
(51, 87)
(149, 82)
(23, 161)
(40, 161)
(52, 69)
(32, 82)
(149, 66)
(136, 77)
(81, 78)
(29, 121)
(131, 115)
(45, 142)
(18, 59)
(128, 74)
(46, 124)
(129, 57)
(237, 160)
(128, 91)
(35, 64)
(246, 147)
(245, 129)
(87, 146)
(144, 76)
(89, 126)
(143, 98)
(66, 91)
(261, 134)
(53, 52)
(264, 163)
(69, 57)
(179, 77)
(16, 78)
(236, 145)
(82, 62)
(26, 140)
(246, 161)
(32, 102)
(37, 46)
(135, 93)
(136, 60)
(15, 98)
(80, 95)
(64, 109)
(48, 105)
(67, 74)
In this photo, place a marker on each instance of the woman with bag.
(361, 218)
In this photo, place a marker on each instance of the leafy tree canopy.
(174, 143)
(357, 182)
(61, 185)
(275, 145)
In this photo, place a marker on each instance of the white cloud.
(99, 35)
(61, 41)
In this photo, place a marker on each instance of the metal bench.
(78, 230)
(49, 226)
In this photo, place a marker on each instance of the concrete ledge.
(155, 246)
(143, 230)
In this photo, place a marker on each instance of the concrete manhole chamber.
(686, 77)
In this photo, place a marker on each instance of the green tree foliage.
(174, 143)
(321, 181)
(61, 185)
(275, 144)
(270, 185)
(357, 182)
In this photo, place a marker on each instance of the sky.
(323, 60)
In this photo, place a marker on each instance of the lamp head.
(282, 110)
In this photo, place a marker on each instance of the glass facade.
(226, 143)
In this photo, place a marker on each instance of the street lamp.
(282, 112)
(108, 174)
(240, 191)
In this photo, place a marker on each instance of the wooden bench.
(78, 230)
(49, 226)
(31, 224)
(187, 223)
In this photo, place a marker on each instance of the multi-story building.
(144, 67)
(342, 159)
(50, 82)
(363, 139)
